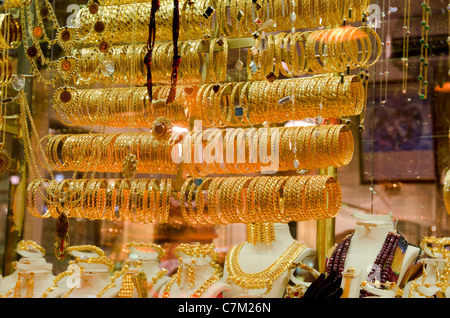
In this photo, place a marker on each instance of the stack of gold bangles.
(260, 199)
(120, 21)
(316, 52)
(286, 14)
(258, 102)
(11, 29)
(220, 105)
(136, 201)
(122, 107)
(129, 65)
(251, 150)
(107, 152)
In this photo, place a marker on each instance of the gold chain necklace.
(406, 36)
(198, 293)
(157, 277)
(424, 47)
(265, 278)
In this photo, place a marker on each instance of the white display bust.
(147, 263)
(89, 282)
(366, 243)
(203, 271)
(35, 268)
(257, 257)
(426, 283)
(87, 279)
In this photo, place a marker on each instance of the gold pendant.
(66, 38)
(60, 246)
(129, 166)
(162, 129)
(62, 225)
(67, 68)
(127, 288)
(5, 162)
(140, 281)
(62, 239)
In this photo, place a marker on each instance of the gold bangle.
(28, 245)
(156, 247)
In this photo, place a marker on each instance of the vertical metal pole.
(17, 192)
(325, 234)
(16, 208)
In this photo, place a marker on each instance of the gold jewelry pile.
(138, 200)
(315, 52)
(258, 102)
(260, 199)
(117, 23)
(121, 107)
(249, 150)
(107, 152)
(265, 278)
(288, 75)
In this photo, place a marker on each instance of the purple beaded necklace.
(388, 261)
(336, 262)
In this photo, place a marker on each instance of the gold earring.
(191, 274)
(30, 286)
(18, 286)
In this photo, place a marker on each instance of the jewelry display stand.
(91, 281)
(197, 277)
(434, 281)
(89, 277)
(426, 286)
(258, 257)
(365, 244)
(34, 271)
(145, 84)
(141, 262)
(32, 275)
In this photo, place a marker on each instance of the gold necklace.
(265, 278)
(406, 36)
(157, 277)
(424, 46)
(113, 281)
(55, 283)
(5, 159)
(198, 293)
(67, 66)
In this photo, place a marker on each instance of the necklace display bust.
(198, 274)
(374, 235)
(148, 264)
(32, 277)
(431, 282)
(257, 258)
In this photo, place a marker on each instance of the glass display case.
(242, 145)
